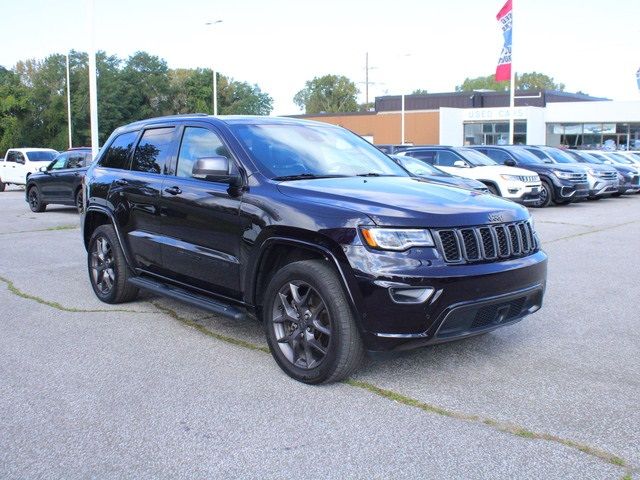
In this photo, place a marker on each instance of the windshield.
(526, 157)
(559, 156)
(306, 151)
(42, 155)
(587, 157)
(619, 158)
(418, 167)
(474, 157)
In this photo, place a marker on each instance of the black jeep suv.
(309, 228)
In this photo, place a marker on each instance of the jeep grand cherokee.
(309, 228)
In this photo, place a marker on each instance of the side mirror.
(217, 169)
(43, 169)
(509, 162)
(460, 164)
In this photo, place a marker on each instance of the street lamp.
(213, 69)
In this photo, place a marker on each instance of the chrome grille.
(608, 175)
(529, 178)
(485, 243)
(578, 178)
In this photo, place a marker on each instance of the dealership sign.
(478, 114)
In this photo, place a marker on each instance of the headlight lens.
(510, 178)
(564, 175)
(396, 238)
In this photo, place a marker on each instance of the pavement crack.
(500, 426)
(49, 229)
(27, 296)
(589, 232)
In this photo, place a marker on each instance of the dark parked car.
(59, 182)
(602, 179)
(424, 170)
(560, 183)
(311, 229)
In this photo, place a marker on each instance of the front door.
(15, 168)
(201, 219)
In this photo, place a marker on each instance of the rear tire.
(2, 186)
(108, 270)
(309, 324)
(35, 200)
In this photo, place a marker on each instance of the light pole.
(93, 85)
(69, 102)
(213, 69)
(403, 58)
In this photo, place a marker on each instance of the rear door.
(135, 194)
(201, 218)
(69, 178)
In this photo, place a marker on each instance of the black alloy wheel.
(35, 202)
(309, 323)
(302, 325)
(108, 270)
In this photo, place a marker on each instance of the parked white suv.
(19, 163)
(517, 184)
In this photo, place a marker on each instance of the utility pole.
(69, 103)
(366, 79)
(93, 84)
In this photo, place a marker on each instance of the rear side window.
(153, 150)
(75, 160)
(118, 153)
(198, 143)
(447, 158)
(427, 156)
(497, 155)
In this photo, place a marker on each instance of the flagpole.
(69, 103)
(93, 87)
(512, 88)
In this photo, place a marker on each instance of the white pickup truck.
(19, 163)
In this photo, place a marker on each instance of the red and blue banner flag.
(505, 18)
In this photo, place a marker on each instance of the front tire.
(2, 186)
(546, 195)
(79, 201)
(35, 200)
(108, 269)
(309, 324)
(493, 190)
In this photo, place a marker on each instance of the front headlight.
(593, 172)
(563, 175)
(396, 238)
(510, 178)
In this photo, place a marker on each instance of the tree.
(419, 91)
(14, 109)
(525, 81)
(330, 93)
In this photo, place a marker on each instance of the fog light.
(533, 308)
(411, 295)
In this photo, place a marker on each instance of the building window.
(611, 136)
(495, 133)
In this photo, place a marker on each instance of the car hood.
(599, 167)
(454, 181)
(568, 167)
(406, 201)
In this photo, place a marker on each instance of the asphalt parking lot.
(158, 389)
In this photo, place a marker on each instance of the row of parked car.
(531, 175)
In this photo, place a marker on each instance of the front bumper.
(570, 191)
(468, 299)
(520, 192)
(601, 188)
(629, 184)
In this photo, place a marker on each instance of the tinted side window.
(447, 158)
(118, 153)
(59, 162)
(428, 156)
(153, 150)
(198, 143)
(88, 158)
(75, 160)
(538, 153)
(498, 155)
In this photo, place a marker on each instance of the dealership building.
(475, 118)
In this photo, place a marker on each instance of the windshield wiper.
(375, 174)
(305, 176)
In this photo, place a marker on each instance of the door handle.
(121, 182)
(173, 190)
(75, 174)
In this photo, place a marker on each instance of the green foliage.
(419, 91)
(525, 81)
(33, 102)
(330, 93)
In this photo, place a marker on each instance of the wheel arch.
(93, 218)
(278, 251)
(493, 184)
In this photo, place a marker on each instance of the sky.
(589, 45)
